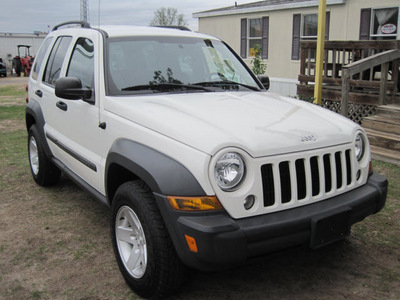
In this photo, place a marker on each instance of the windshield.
(173, 64)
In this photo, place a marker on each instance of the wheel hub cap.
(33, 155)
(131, 242)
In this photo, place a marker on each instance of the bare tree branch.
(167, 17)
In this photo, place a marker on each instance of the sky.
(27, 16)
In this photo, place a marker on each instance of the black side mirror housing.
(264, 81)
(70, 88)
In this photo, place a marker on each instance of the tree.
(258, 65)
(168, 17)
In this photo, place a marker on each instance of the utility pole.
(85, 10)
(320, 52)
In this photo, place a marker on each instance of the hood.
(260, 123)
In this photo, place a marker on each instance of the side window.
(82, 62)
(56, 59)
(40, 57)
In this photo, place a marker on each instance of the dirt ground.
(55, 244)
(13, 80)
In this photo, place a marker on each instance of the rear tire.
(145, 254)
(44, 172)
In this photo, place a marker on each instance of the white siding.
(344, 25)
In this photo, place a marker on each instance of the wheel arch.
(34, 115)
(128, 160)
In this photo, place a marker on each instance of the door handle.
(61, 105)
(39, 93)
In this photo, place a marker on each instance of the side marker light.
(191, 243)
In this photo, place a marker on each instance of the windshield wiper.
(166, 86)
(227, 83)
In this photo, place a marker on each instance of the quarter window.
(40, 57)
(56, 59)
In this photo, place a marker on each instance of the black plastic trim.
(223, 241)
(161, 173)
(81, 183)
(75, 155)
(83, 24)
(34, 111)
(183, 28)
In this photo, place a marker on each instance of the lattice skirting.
(356, 111)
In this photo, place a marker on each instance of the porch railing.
(354, 72)
(382, 60)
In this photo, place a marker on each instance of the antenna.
(85, 10)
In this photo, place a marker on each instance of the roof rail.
(184, 28)
(83, 24)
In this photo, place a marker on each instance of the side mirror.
(70, 88)
(264, 81)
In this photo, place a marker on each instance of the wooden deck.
(361, 81)
(368, 66)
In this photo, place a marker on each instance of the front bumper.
(223, 241)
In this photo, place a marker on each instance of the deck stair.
(383, 131)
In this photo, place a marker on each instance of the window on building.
(305, 27)
(385, 22)
(254, 33)
(379, 23)
(309, 26)
(254, 37)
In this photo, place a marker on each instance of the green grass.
(391, 172)
(12, 112)
(13, 149)
(382, 229)
(12, 91)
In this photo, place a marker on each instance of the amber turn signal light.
(191, 243)
(194, 203)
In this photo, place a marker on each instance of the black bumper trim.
(223, 241)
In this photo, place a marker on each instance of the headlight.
(229, 171)
(359, 144)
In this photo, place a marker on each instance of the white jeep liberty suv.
(200, 165)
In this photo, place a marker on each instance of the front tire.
(44, 172)
(145, 254)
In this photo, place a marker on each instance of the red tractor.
(23, 64)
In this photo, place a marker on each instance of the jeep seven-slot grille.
(305, 178)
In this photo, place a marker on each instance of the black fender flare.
(34, 115)
(163, 174)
